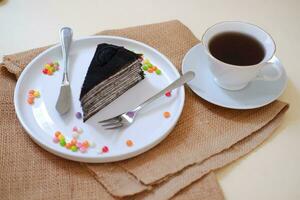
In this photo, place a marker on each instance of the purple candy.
(78, 115)
(130, 114)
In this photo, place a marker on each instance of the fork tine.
(114, 126)
(111, 124)
(116, 118)
(113, 121)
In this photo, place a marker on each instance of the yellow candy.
(52, 69)
(146, 61)
(36, 94)
(47, 66)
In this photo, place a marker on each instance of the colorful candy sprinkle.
(167, 114)
(36, 94)
(77, 130)
(74, 129)
(57, 133)
(168, 93)
(45, 71)
(150, 68)
(157, 71)
(82, 149)
(78, 115)
(50, 68)
(30, 101)
(55, 64)
(105, 149)
(78, 144)
(129, 143)
(50, 72)
(74, 148)
(68, 145)
(145, 67)
(85, 144)
(32, 94)
(73, 145)
(149, 65)
(62, 142)
(61, 137)
(146, 61)
(55, 140)
(74, 141)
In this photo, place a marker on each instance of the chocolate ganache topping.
(108, 60)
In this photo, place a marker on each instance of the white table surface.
(272, 171)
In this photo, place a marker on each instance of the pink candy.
(75, 129)
(55, 139)
(82, 149)
(79, 144)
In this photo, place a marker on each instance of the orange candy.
(73, 141)
(129, 143)
(31, 96)
(154, 68)
(31, 92)
(30, 100)
(61, 137)
(167, 114)
(69, 145)
(150, 70)
(57, 134)
(86, 144)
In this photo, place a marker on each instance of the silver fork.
(63, 103)
(127, 118)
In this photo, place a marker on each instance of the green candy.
(74, 148)
(62, 142)
(149, 65)
(158, 71)
(55, 64)
(145, 67)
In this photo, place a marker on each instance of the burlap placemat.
(206, 137)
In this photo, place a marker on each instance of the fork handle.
(66, 34)
(188, 76)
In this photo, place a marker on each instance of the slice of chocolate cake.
(113, 70)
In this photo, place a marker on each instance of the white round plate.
(256, 94)
(41, 120)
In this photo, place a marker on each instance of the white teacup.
(234, 77)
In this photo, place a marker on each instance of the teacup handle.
(275, 77)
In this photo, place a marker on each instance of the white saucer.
(256, 94)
